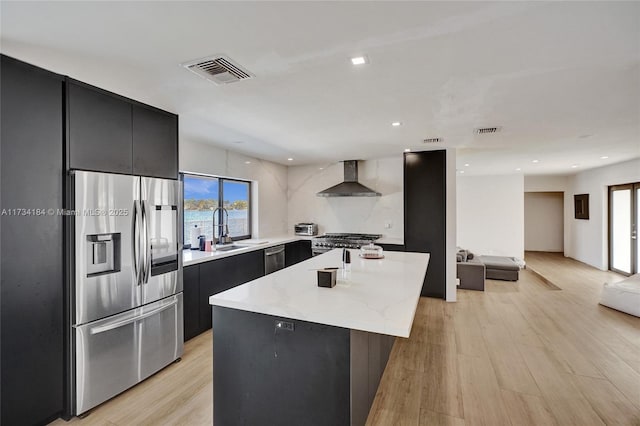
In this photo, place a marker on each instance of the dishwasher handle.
(274, 250)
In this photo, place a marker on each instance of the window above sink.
(203, 194)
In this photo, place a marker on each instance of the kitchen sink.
(229, 248)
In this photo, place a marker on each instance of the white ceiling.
(562, 79)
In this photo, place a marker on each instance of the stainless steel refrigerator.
(127, 290)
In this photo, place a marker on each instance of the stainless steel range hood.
(350, 187)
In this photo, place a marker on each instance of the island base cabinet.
(279, 371)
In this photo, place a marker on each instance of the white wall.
(452, 227)
(544, 221)
(269, 182)
(545, 183)
(586, 240)
(349, 214)
(366, 214)
(491, 214)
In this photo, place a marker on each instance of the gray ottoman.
(500, 268)
(471, 275)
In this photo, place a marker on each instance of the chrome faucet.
(223, 227)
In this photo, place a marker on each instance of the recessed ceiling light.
(535, 161)
(574, 166)
(466, 164)
(396, 124)
(359, 60)
(461, 171)
(518, 169)
(320, 168)
(289, 159)
(407, 150)
(247, 162)
(604, 157)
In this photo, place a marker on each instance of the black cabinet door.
(190, 296)
(296, 252)
(290, 254)
(220, 275)
(248, 267)
(211, 279)
(31, 136)
(99, 130)
(304, 250)
(155, 143)
(425, 214)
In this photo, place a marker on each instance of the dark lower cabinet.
(208, 278)
(31, 241)
(296, 252)
(425, 212)
(266, 376)
(190, 297)
(99, 130)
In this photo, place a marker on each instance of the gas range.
(328, 242)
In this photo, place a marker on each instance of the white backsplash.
(348, 214)
(269, 181)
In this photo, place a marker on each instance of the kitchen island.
(289, 352)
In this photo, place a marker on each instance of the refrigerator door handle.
(118, 324)
(135, 241)
(147, 242)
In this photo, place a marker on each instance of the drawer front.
(115, 353)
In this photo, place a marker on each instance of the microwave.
(306, 229)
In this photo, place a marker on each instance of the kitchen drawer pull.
(271, 253)
(118, 324)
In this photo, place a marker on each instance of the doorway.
(624, 216)
(544, 221)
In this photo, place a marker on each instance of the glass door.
(624, 212)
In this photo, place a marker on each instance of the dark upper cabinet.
(425, 214)
(155, 143)
(190, 297)
(31, 309)
(110, 133)
(99, 130)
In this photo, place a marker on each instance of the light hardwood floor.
(520, 353)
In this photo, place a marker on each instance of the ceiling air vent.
(432, 140)
(218, 69)
(485, 130)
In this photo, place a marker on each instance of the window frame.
(220, 213)
(221, 181)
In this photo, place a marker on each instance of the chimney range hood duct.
(350, 187)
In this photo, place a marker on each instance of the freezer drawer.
(117, 352)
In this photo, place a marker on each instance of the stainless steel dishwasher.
(273, 259)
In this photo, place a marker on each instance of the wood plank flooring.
(519, 353)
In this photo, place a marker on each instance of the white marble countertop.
(380, 296)
(192, 257)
